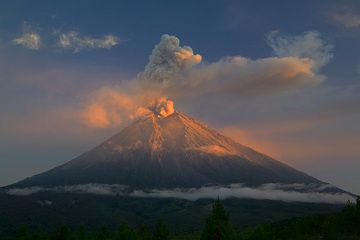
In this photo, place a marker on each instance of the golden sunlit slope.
(169, 151)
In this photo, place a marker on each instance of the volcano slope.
(165, 168)
(167, 152)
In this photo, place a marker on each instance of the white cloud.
(75, 41)
(266, 191)
(316, 193)
(29, 40)
(308, 45)
(92, 188)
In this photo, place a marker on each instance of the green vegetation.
(341, 225)
(123, 232)
(218, 224)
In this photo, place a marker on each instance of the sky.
(282, 77)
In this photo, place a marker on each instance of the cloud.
(345, 16)
(77, 42)
(242, 77)
(113, 106)
(315, 193)
(44, 203)
(107, 107)
(347, 19)
(92, 188)
(168, 59)
(163, 107)
(266, 191)
(308, 45)
(29, 40)
(176, 73)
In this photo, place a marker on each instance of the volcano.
(170, 152)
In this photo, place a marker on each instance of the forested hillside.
(341, 225)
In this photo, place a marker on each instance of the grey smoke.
(174, 71)
(243, 77)
(167, 59)
(273, 191)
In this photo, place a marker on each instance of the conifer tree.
(161, 232)
(23, 233)
(218, 226)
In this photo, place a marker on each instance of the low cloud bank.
(314, 193)
(92, 188)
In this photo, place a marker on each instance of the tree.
(144, 233)
(161, 232)
(103, 233)
(64, 233)
(81, 233)
(218, 226)
(125, 232)
(23, 233)
(39, 234)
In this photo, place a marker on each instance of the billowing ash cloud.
(76, 42)
(272, 191)
(167, 59)
(309, 45)
(162, 107)
(108, 107)
(113, 106)
(177, 73)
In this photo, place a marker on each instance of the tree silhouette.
(126, 232)
(218, 226)
(23, 233)
(144, 233)
(103, 233)
(39, 234)
(81, 233)
(64, 233)
(161, 232)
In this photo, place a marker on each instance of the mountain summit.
(171, 151)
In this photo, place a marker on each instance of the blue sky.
(43, 81)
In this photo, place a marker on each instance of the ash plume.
(162, 107)
(175, 72)
(167, 59)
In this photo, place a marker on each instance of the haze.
(281, 78)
